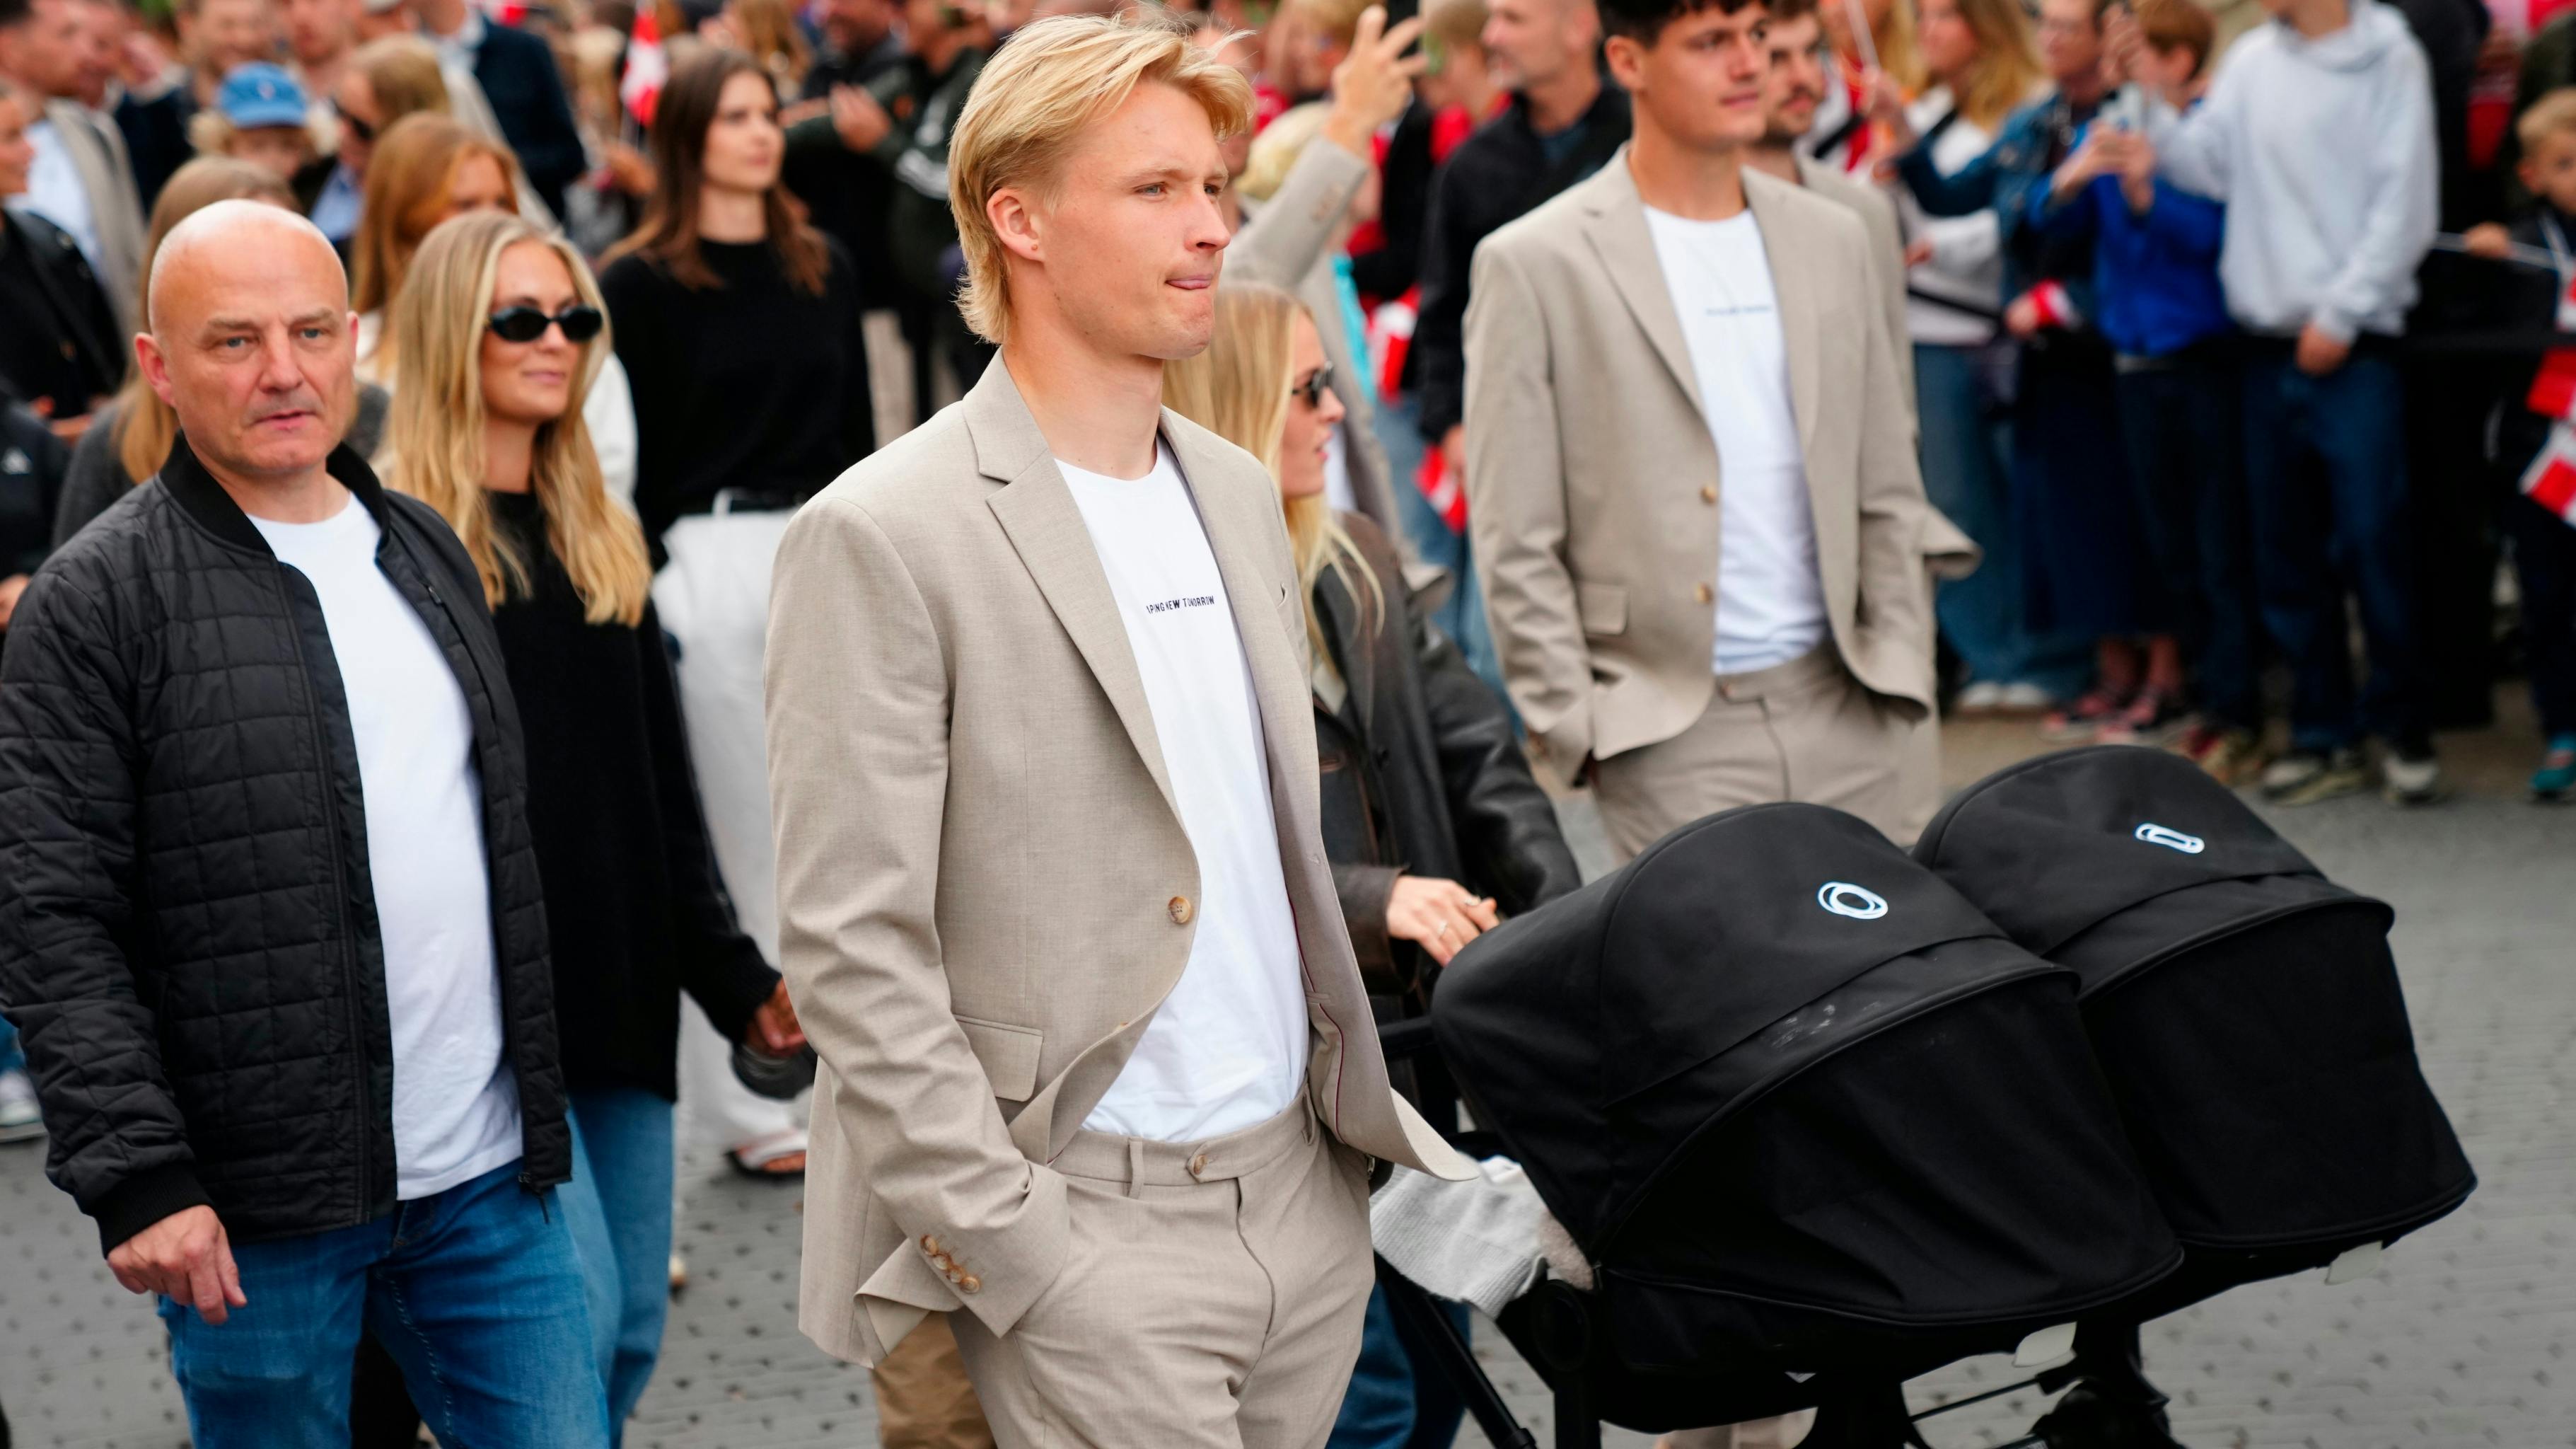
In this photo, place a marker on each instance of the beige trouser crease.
(1211, 1297)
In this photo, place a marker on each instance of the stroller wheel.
(2094, 1416)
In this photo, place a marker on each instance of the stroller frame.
(1859, 1414)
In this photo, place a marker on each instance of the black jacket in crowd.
(59, 341)
(188, 941)
(1422, 775)
(33, 464)
(634, 906)
(1496, 175)
(519, 77)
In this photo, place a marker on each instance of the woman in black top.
(60, 350)
(738, 324)
(499, 337)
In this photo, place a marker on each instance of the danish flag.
(646, 67)
(2551, 478)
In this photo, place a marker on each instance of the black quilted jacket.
(188, 941)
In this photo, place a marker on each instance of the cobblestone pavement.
(2463, 1339)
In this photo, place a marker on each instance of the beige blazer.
(1593, 483)
(1877, 212)
(984, 888)
(97, 150)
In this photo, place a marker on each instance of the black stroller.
(2245, 1010)
(1816, 1125)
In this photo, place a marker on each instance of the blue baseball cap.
(260, 94)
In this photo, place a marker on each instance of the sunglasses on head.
(365, 133)
(580, 323)
(1311, 390)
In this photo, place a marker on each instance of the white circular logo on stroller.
(1845, 899)
(2172, 839)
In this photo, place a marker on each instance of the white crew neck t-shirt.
(1227, 1050)
(456, 1102)
(1770, 595)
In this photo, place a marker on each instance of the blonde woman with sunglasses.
(501, 332)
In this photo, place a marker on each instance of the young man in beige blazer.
(1099, 1079)
(1691, 466)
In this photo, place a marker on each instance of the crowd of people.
(450, 713)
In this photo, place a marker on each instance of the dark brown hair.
(2179, 25)
(668, 234)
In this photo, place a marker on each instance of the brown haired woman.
(739, 327)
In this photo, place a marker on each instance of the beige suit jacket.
(97, 150)
(1593, 483)
(984, 888)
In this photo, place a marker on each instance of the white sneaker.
(2411, 782)
(1983, 697)
(2024, 698)
(20, 1121)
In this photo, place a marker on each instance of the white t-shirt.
(1227, 1050)
(1770, 597)
(456, 1102)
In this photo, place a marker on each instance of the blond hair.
(1238, 389)
(2554, 114)
(1456, 24)
(145, 427)
(1336, 20)
(1034, 97)
(1276, 149)
(437, 425)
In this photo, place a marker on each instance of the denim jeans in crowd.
(1967, 473)
(1398, 1398)
(2179, 419)
(618, 1206)
(475, 1291)
(2325, 468)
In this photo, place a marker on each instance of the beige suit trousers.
(1211, 1297)
(1805, 730)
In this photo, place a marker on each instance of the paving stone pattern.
(2463, 1339)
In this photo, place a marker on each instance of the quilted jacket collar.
(188, 483)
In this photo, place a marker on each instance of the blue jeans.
(474, 1291)
(2325, 468)
(1392, 1403)
(1967, 473)
(11, 1059)
(618, 1206)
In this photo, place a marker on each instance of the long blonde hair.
(1238, 390)
(2007, 69)
(146, 429)
(437, 425)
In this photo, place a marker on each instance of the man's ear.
(1627, 62)
(155, 367)
(1017, 223)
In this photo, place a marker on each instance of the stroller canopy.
(1801, 1104)
(2245, 1009)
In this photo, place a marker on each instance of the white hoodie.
(2323, 151)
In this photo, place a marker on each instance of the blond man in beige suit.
(1691, 467)
(1099, 1080)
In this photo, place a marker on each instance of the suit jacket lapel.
(1046, 529)
(1627, 248)
(1794, 280)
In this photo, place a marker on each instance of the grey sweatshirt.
(2323, 151)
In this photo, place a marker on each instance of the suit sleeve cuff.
(142, 1200)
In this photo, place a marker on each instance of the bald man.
(273, 935)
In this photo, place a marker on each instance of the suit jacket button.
(930, 1245)
(1703, 593)
(1180, 909)
(1708, 493)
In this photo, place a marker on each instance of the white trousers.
(713, 597)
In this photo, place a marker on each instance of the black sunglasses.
(1317, 383)
(580, 323)
(365, 133)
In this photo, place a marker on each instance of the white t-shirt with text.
(1227, 1050)
(456, 1101)
(1770, 595)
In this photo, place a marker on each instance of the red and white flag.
(647, 67)
(2551, 479)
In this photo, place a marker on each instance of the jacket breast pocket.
(1603, 608)
(1009, 1055)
